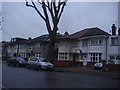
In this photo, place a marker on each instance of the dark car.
(16, 61)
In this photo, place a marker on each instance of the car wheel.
(8, 64)
(95, 68)
(28, 66)
(17, 64)
(40, 67)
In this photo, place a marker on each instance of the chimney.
(113, 29)
(119, 31)
(29, 38)
(66, 33)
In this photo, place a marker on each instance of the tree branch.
(29, 4)
(34, 6)
(64, 4)
(46, 15)
(41, 3)
(55, 9)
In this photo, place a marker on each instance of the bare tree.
(52, 11)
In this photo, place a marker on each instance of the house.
(113, 48)
(83, 42)
(17, 47)
(40, 45)
(67, 47)
(3, 50)
(88, 45)
(30, 47)
(0, 51)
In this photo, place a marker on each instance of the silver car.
(39, 63)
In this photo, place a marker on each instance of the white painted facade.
(0, 28)
(97, 51)
(114, 48)
(98, 47)
(66, 48)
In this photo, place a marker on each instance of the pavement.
(81, 69)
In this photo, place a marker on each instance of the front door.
(74, 57)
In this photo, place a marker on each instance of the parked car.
(39, 63)
(100, 65)
(16, 61)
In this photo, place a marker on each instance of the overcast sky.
(24, 22)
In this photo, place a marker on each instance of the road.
(22, 77)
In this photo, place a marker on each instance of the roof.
(89, 32)
(18, 41)
(43, 38)
(86, 32)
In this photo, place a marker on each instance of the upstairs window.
(13, 40)
(74, 44)
(39, 54)
(96, 41)
(37, 45)
(22, 46)
(84, 43)
(61, 44)
(114, 41)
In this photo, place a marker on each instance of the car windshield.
(108, 61)
(45, 60)
(111, 62)
(20, 59)
(41, 59)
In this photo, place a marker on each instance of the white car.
(100, 65)
(39, 63)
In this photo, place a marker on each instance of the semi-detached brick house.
(27, 47)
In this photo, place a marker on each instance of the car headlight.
(20, 61)
(44, 64)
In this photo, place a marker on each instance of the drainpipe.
(106, 46)
(119, 48)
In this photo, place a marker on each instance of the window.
(95, 57)
(61, 44)
(114, 41)
(96, 41)
(13, 39)
(23, 55)
(84, 43)
(117, 57)
(22, 46)
(112, 57)
(30, 46)
(74, 44)
(37, 45)
(38, 54)
(9, 47)
(63, 56)
(66, 44)
(9, 54)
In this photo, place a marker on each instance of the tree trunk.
(51, 45)
(17, 51)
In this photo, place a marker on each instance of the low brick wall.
(112, 67)
(91, 64)
(0, 58)
(61, 63)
